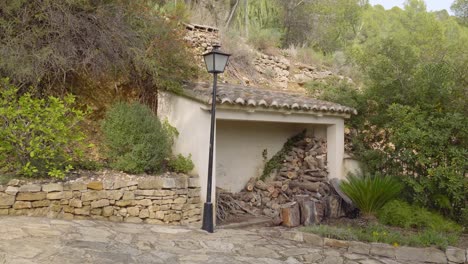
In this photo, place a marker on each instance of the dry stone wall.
(152, 199)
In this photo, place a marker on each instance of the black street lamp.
(215, 61)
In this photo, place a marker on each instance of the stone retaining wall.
(400, 253)
(152, 199)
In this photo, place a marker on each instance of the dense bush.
(181, 164)
(93, 48)
(402, 214)
(135, 140)
(38, 136)
(370, 193)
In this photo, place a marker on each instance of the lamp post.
(215, 62)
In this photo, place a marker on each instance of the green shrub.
(265, 38)
(38, 136)
(135, 140)
(382, 234)
(181, 164)
(402, 214)
(370, 193)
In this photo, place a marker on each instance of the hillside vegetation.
(408, 69)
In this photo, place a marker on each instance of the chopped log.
(334, 207)
(285, 186)
(313, 187)
(335, 183)
(277, 184)
(270, 188)
(313, 179)
(308, 212)
(261, 185)
(289, 174)
(250, 184)
(311, 162)
(275, 193)
(291, 215)
(247, 196)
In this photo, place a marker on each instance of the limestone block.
(169, 183)
(329, 242)
(142, 192)
(93, 195)
(6, 199)
(153, 221)
(77, 194)
(85, 210)
(431, 255)
(115, 218)
(59, 195)
(163, 193)
(74, 186)
(114, 195)
(13, 182)
(151, 183)
(3, 211)
(133, 211)
(144, 202)
(128, 195)
(100, 203)
(64, 202)
(194, 193)
(172, 217)
(30, 188)
(95, 185)
(177, 207)
(43, 203)
(181, 182)
(359, 247)
(160, 215)
(68, 209)
(96, 211)
(108, 211)
(76, 203)
(144, 213)
(123, 203)
(194, 182)
(122, 184)
(132, 219)
(381, 249)
(180, 200)
(123, 212)
(11, 190)
(66, 216)
(22, 205)
(31, 196)
(456, 255)
(313, 239)
(52, 187)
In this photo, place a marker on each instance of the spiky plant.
(370, 193)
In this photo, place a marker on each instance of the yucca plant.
(370, 193)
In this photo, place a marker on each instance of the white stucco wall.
(240, 145)
(351, 165)
(193, 125)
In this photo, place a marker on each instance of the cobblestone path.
(40, 240)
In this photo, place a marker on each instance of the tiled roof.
(253, 97)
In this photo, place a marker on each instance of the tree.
(460, 8)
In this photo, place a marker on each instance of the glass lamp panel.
(209, 62)
(221, 61)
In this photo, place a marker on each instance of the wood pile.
(297, 193)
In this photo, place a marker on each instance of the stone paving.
(40, 240)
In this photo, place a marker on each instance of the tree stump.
(291, 215)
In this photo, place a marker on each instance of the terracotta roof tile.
(230, 94)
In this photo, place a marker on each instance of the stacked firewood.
(300, 182)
